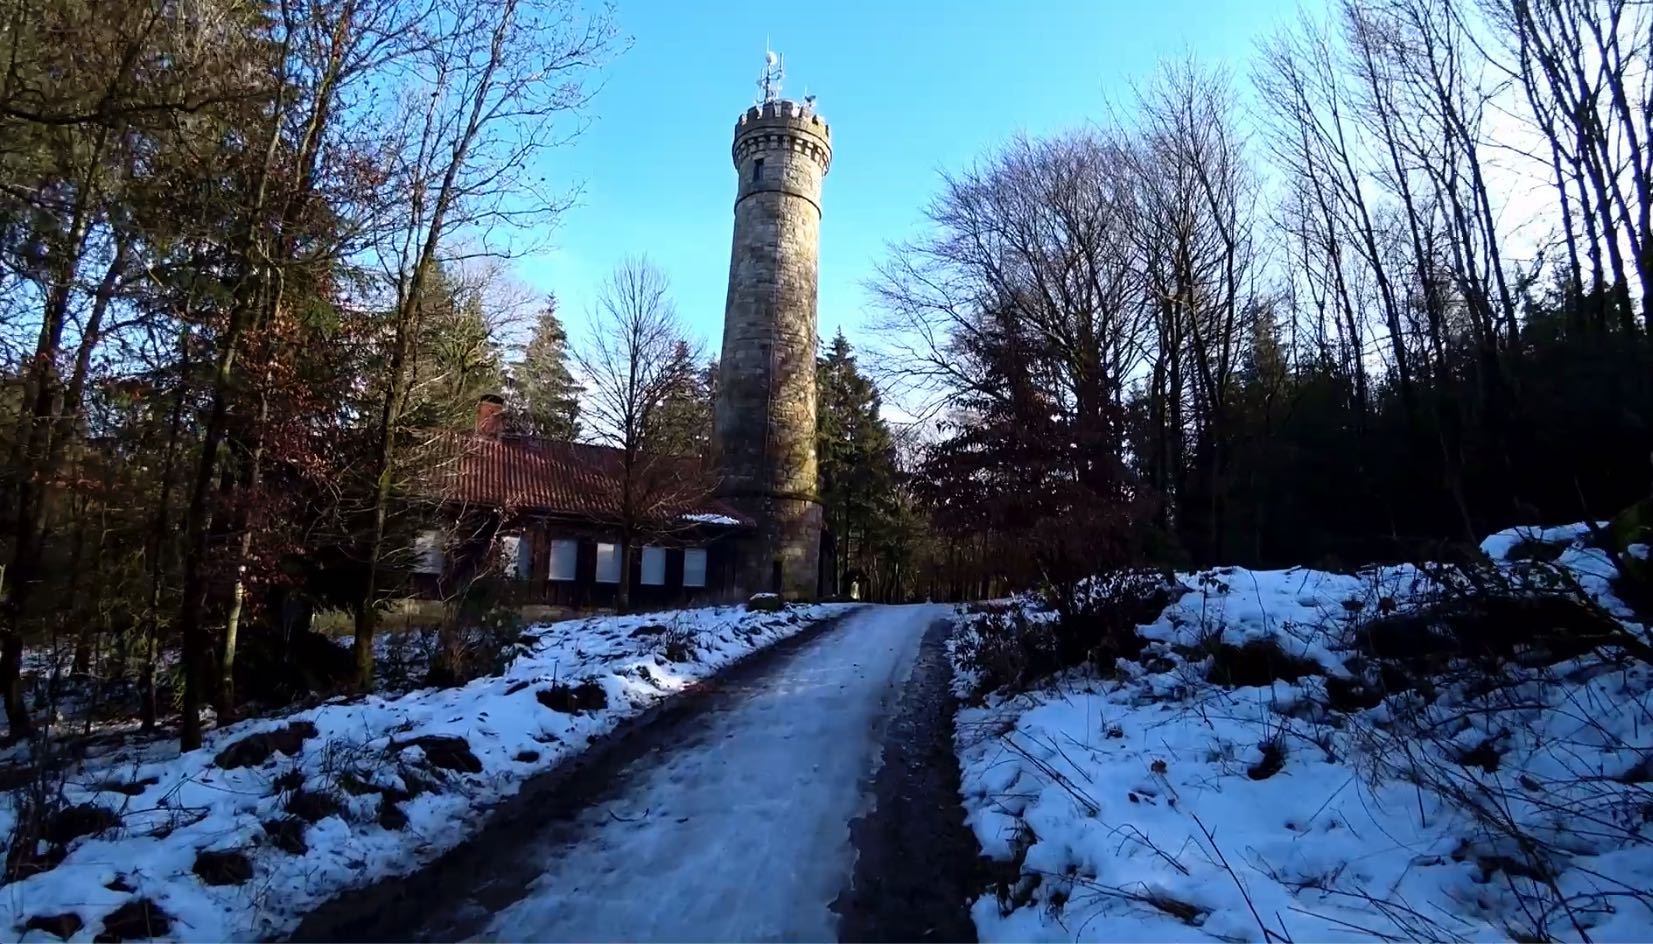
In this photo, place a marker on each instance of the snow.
(1498, 546)
(706, 518)
(194, 805)
(740, 831)
(1133, 807)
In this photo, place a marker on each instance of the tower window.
(757, 170)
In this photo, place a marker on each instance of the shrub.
(680, 644)
(482, 636)
(765, 603)
(1098, 618)
(1006, 650)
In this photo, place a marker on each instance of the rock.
(135, 920)
(444, 751)
(229, 867)
(62, 926)
(255, 749)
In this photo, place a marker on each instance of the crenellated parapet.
(783, 126)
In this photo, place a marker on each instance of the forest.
(1381, 293)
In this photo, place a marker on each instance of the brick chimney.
(490, 415)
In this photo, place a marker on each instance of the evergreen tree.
(455, 358)
(544, 399)
(857, 465)
(686, 414)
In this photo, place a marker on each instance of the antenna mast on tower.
(774, 69)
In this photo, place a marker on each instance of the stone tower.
(765, 415)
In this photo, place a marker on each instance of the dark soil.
(61, 925)
(223, 868)
(445, 751)
(287, 834)
(1274, 760)
(255, 749)
(917, 866)
(573, 699)
(86, 819)
(391, 816)
(313, 806)
(139, 919)
(1259, 662)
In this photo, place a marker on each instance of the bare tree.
(636, 358)
(482, 107)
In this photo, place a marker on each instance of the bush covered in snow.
(1442, 752)
(1014, 645)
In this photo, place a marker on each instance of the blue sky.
(910, 87)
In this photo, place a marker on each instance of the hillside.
(1439, 752)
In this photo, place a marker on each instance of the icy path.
(737, 829)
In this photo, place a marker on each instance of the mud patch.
(917, 866)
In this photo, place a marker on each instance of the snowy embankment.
(1295, 756)
(273, 816)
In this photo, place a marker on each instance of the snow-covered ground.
(739, 832)
(345, 793)
(1158, 804)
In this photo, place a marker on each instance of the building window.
(757, 170)
(608, 563)
(513, 556)
(565, 556)
(428, 553)
(694, 567)
(654, 566)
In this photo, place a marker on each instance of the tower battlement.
(784, 112)
(782, 125)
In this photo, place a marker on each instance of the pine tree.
(544, 399)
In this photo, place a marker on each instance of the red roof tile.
(528, 473)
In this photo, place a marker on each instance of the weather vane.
(774, 68)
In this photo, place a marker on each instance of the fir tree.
(685, 416)
(455, 358)
(544, 399)
(857, 463)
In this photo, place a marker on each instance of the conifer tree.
(544, 398)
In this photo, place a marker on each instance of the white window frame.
(608, 562)
(654, 566)
(564, 560)
(429, 553)
(694, 576)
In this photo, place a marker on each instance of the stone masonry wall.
(765, 414)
